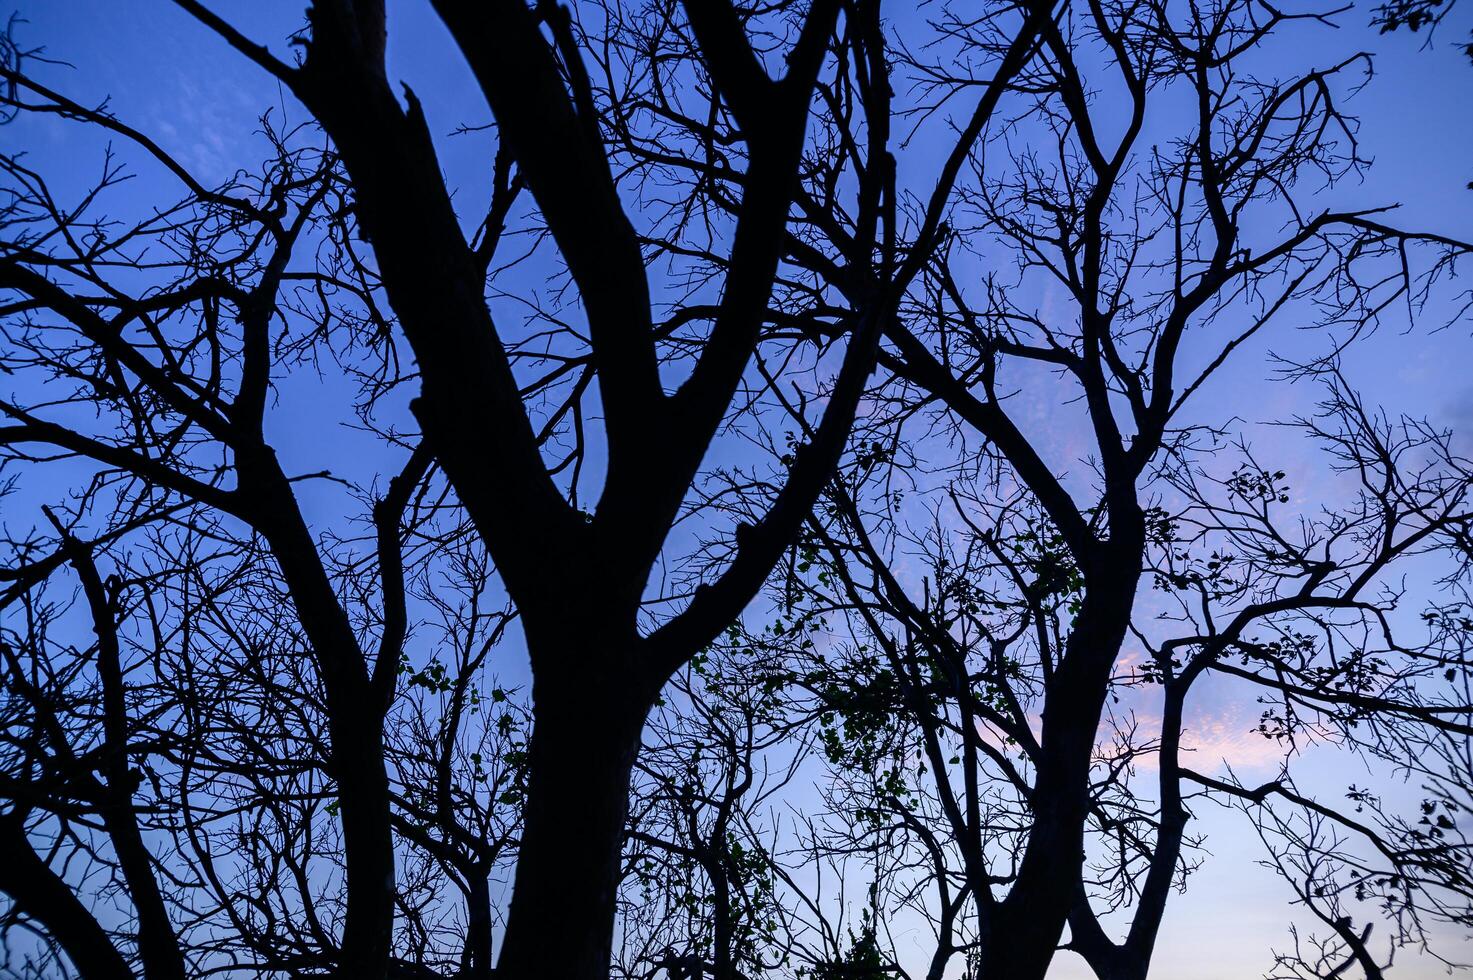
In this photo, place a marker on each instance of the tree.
(171, 334)
(969, 703)
(695, 336)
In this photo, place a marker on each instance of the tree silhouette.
(734, 317)
(177, 369)
(971, 712)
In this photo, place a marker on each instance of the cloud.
(1213, 739)
(1226, 736)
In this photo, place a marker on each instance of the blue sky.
(200, 101)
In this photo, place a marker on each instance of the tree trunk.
(1029, 923)
(478, 926)
(561, 920)
(368, 845)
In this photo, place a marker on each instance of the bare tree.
(174, 331)
(249, 733)
(972, 708)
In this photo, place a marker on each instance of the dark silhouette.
(997, 667)
(250, 703)
(181, 370)
(1415, 15)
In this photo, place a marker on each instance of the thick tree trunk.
(1029, 923)
(478, 927)
(1125, 966)
(721, 954)
(561, 920)
(368, 846)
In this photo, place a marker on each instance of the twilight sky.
(201, 101)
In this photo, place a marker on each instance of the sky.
(200, 101)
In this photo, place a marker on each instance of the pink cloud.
(1211, 739)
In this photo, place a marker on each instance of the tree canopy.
(775, 500)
